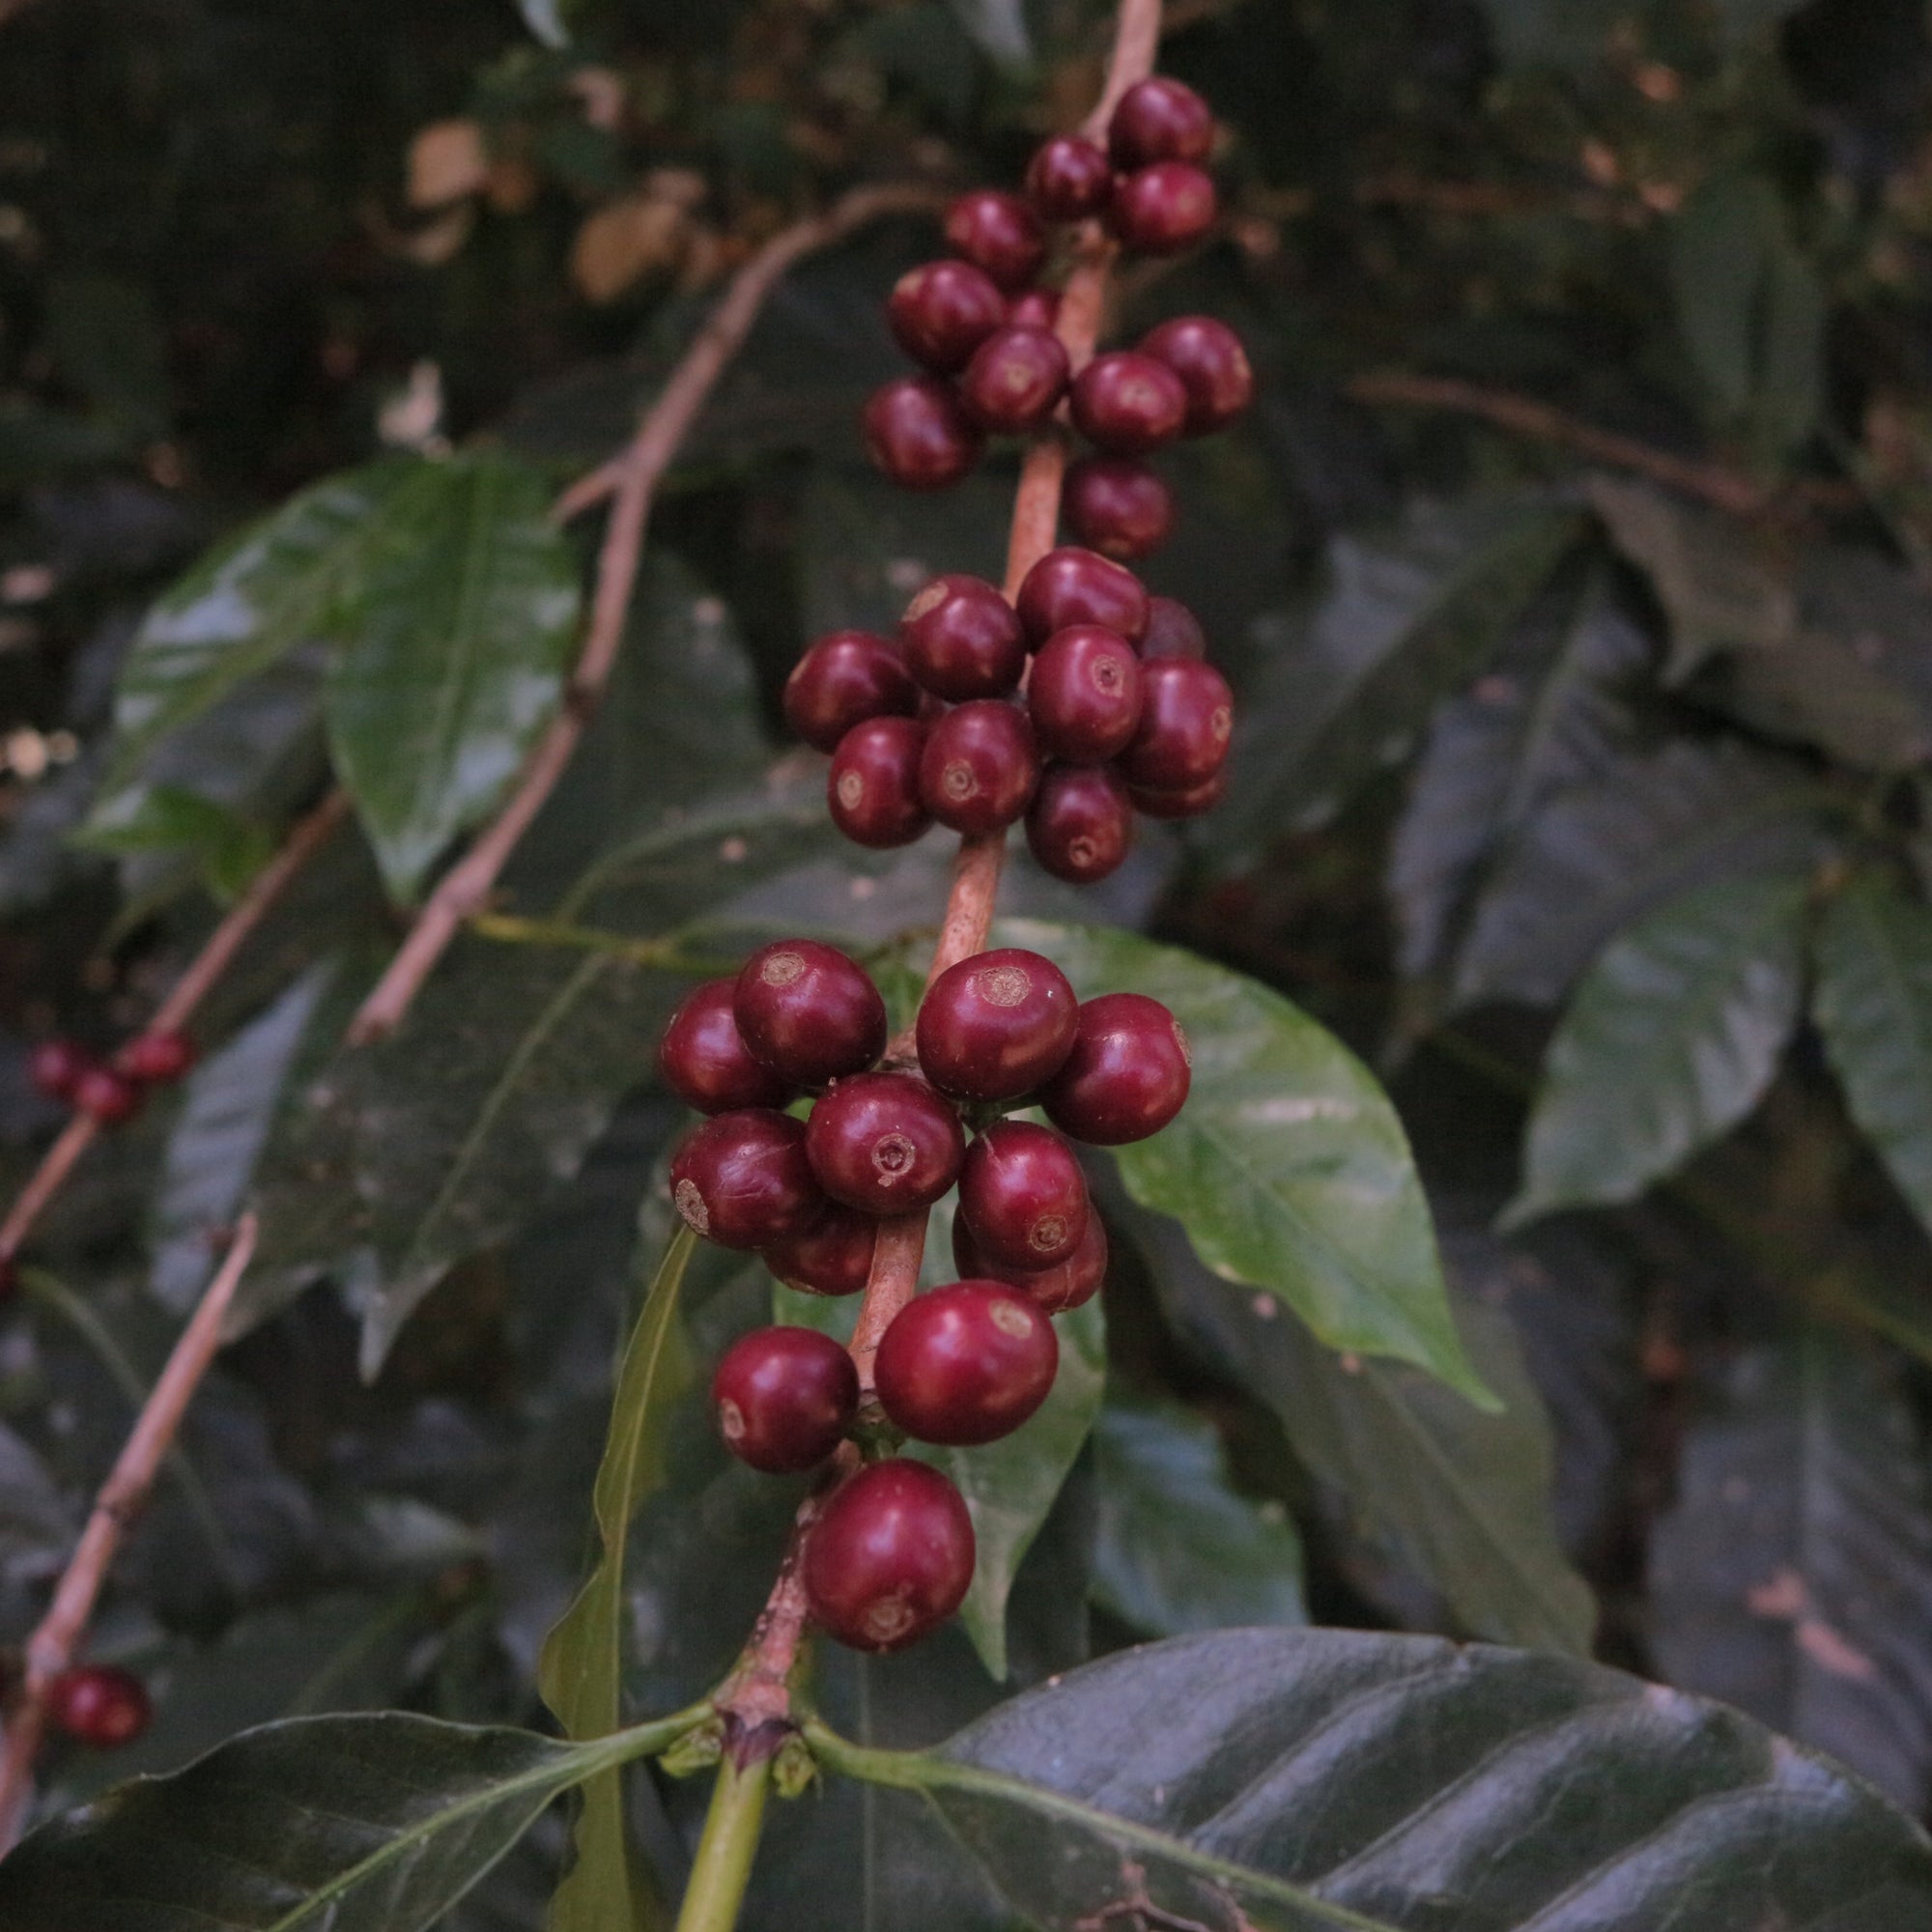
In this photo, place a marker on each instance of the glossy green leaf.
(1288, 1166)
(1346, 1781)
(1176, 1546)
(451, 655)
(1669, 1041)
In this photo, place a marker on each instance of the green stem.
(664, 955)
(722, 1867)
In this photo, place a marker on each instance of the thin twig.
(464, 890)
(52, 1646)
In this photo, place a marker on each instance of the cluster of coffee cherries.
(983, 327)
(1121, 712)
(110, 1090)
(892, 1552)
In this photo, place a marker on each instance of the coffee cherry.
(98, 1704)
(1212, 366)
(1080, 825)
(1070, 586)
(998, 233)
(917, 433)
(996, 1026)
(842, 680)
(965, 1364)
(55, 1067)
(889, 1557)
(872, 788)
(963, 639)
(105, 1097)
(1188, 804)
(833, 1256)
(1163, 209)
(809, 1012)
(1068, 179)
(1187, 716)
(1129, 403)
(1023, 1195)
(1085, 694)
(742, 1179)
(1036, 309)
(10, 1277)
(940, 313)
(1014, 381)
(1118, 506)
(1126, 1077)
(784, 1398)
(1159, 119)
(1055, 1290)
(705, 1059)
(156, 1059)
(884, 1143)
(1173, 630)
(979, 767)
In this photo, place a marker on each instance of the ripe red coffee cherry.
(833, 1256)
(1126, 1077)
(98, 1704)
(10, 1277)
(1014, 381)
(1023, 1195)
(979, 767)
(1055, 1290)
(706, 1062)
(742, 1179)
(1159, 119)
(998, 233)
(996, 1026)
(940, 313)
(963, 639)
(1173, 630)
(1068, 179)
(917, 433)
(55, 1067)
(1118, 506)
(1188, 804)
(1080, 825)
(1212, 366)
(1085, 694)
(156, 1059)
(965, 1364)
(1069, 585)
(106, 1097)
(1163, 209)
(809, 1012)
(842, 680)
(885, 1144)
(1129, 403)
(889, 1557)
(872, 788)
(1036, 309)
(784, 1398)
(1187, 716)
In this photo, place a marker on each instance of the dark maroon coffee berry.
(942, 312)
(889, 1557)
(1188, 804)
(742, 1179)
(1036, 309)
(1068, 179)
(872, 788)
(965, 1364)
(1173, 630)
(833, 1256)
(9, 1279)
(1126, 1077)
(1187, 716)
(842, 680)
(809, 1011)
(1080, 825)
(885, 1144)
(918, 435)
(105, 1097)
(156, 1059)
(979, 767)
(55, 1067)
(706, 1062)
(999, 232)
(1128, 403)
(996, 1026)
(1163, 209)
(98, 1704)
(963, 639)
(1212, 366)
(784, 1398)
(1159, 119)
(1070, 586)
(1055, 1290)
(1014, 381)
(1023, 1196)
(1085, 694)
(1118, 506)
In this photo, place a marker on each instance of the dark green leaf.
(1563, 33)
